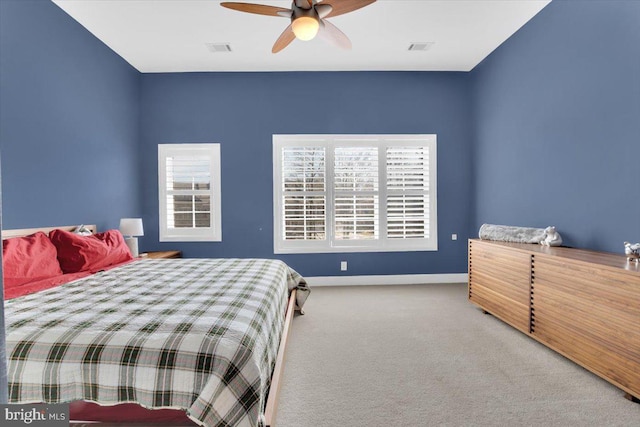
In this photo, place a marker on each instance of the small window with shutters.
(189, 192)
(354, 193)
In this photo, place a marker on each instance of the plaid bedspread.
(200, 335)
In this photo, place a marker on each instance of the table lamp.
(131, 228)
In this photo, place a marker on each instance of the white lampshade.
(305, 27)
(131, 227)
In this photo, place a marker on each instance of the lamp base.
(132, 243)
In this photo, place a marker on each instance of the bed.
(201, 337)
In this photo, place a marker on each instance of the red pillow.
(27, 259)
(89, 253)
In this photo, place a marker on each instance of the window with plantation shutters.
(189, 192)
(354, 193)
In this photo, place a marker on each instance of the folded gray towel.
(508, 233)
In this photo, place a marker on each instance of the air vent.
(420, 46)
(218, 47)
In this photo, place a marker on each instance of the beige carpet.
(425, 356)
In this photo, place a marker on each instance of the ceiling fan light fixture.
(305, 27)
(307, 16)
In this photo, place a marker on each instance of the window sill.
(354, 249)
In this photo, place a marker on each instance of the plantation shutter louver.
(408, 192)
(188, 192)
(304, 196)
(356, 196)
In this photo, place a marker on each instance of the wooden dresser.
(583, 304)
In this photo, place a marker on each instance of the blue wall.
(242, 111)
(544, 131)
(69, 122)
(557, 125)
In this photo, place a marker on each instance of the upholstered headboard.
(6, 234)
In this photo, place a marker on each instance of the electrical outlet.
(454, 237)
(343, 266)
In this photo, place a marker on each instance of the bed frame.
(272, 398)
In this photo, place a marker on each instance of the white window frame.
(199, 234)
(329, 245)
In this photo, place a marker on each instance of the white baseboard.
(396, 279)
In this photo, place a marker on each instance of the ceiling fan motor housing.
(299, 12)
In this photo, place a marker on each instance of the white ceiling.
(171, 35)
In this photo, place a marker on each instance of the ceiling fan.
(308, 18)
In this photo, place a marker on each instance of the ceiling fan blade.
(340, 7)
(323, 10)
(330, 32)
(258, 9)
(283, 41)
